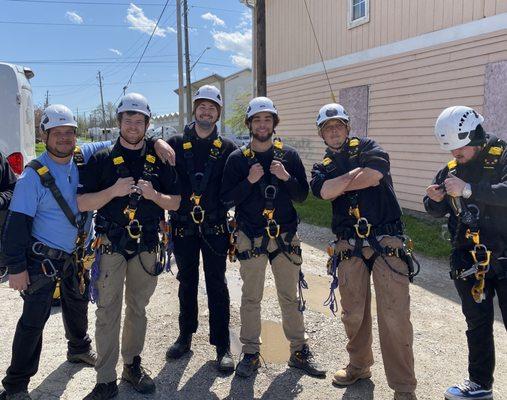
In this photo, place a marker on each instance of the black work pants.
(186, 251)
(27, 344)
(479, 318)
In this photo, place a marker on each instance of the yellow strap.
(43, 170)
(452, 164)
(496, 151)
(326, 161)
(118, 160)
(187, 145)
(150, 158)
(354, 142)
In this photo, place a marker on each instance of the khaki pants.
(393, 314)
(253, 272)
(115, 272)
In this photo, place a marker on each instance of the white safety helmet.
(332, 111)
(57, 115)
(258, 105)
(209, 92)
(459, 126)
(134, 102)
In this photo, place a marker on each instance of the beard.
(130, 141)
(57, 153)
(262, 139)
(204, 124)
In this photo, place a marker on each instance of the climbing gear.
(134, 102)
(468, 216)
(209, 92)
(258, 105)
(332, 111)
(57, 115)
(232, 228)
(459, 126)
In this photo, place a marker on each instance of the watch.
(467, 191)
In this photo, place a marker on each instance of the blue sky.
(66, 42)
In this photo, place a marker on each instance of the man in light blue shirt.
(37, 245)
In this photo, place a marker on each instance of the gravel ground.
(439, 331)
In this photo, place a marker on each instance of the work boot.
(90, 358)
(405, 396)
(350, 375)
(303, 359)
(468, 390)
(136, 375)
(103, 391)
(225, 362)
(15, 396)
(248, 365)
(180, 347)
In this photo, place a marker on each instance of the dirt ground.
(439, 343)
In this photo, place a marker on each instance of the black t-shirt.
(249, 199)
(489, 195)
(210, 200)
(377, 204)
(101, 173)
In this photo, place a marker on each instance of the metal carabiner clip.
(363, 228)
(270, 192)
(134, 225)
(34, 248)
(48, 262)
(197, 214)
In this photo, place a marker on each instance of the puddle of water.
(274, 347)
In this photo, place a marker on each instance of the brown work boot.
(405, 396)
(350, 375)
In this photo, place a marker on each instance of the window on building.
(358, 12)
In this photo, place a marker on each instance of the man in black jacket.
(355, 176)
(200, 226)
(472, 191)
(262, 180)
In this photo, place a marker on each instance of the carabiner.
(134, 224)
(34, 248)
(197, 214)
(53, 272)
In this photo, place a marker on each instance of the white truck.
(17, 120)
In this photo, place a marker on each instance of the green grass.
(40, 148)
(425, 234)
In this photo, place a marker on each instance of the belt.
(391, 229)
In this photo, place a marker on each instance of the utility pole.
(187, 63)
(46, 104)
(102, 102)
(260, 51)
(181, 109)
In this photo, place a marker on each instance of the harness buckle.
(355, 212)
(270, 192)
(197, 214)
(474, 235)
(49, 263)
(272, 229)
(37, 249)
(130, 213)
(363, 228)
(195, 198)
(134, 229)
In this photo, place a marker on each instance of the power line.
(84, 25)
(144, 51)
(107, 3)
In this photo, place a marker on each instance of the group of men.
(198, 176)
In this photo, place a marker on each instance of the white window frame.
(360, 21)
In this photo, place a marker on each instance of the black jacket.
(377, 204)
(210, 200)
(249, 200)
(489, 194)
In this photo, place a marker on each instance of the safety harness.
(269, 186)
(200, 222)
(364, 231)
(133, 230)
(469, 218)
(45, 254)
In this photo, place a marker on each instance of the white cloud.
(213, 18)
(239, 43)
(140, 22)
(73, 16)
(115, 51)
(245, 21)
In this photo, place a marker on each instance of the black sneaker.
(225, 362)
(248, 365)
(180, 347)
(136, 375)
(303, 359)
(103, 391)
